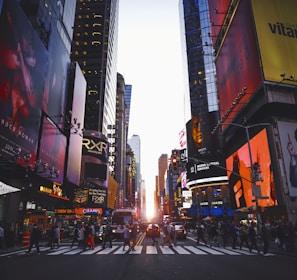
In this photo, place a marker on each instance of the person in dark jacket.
(35, 239)
(107, 236)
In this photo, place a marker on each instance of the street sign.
(256, 189)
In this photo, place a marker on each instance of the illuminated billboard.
(276, 26)
(288, 139)
(239, 173)
(94, 164)
(75, 139)
(205, 166)
(238, 63)
(217, 12)
(56, 85)
(51, 156)
(23, 70)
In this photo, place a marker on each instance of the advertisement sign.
(95, 153)
(239, 173)
(276, 26)
(217, 12)
(288, 140)
(205, 166)
(51, 157)
(75, 140)
(238, 63)
(23, 70)
(56, 85)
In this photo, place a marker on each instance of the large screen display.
(276, 26)
(56, 85)
(238, 62)
(239, 173)
(217, 12)
(205, 166)
(75, 139)
(51, 157)
(23, 70)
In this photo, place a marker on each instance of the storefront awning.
(4, 189)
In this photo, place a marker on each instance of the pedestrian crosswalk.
(117, 249)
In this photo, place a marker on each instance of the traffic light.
(174, 162)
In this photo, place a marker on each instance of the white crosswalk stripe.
(139, 250)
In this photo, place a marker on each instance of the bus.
(120, 218)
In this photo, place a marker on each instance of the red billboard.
(217, 11)
(238, 63)
(239, 173)
(23, 70)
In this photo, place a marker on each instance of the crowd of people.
(281, 235)
(248, 234)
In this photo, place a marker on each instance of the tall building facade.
(95, 49)
(202, 147)
(257, 101)
(160, 191)
(135, 144)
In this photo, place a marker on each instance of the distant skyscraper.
(95, 48)
(128, 95)
(135, 145)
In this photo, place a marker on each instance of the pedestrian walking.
(82, 235)
(51, 237)
(243, 235)
(252, 238)
(201, 234)
(89, 240)
(126, 237)
(265, 237)
(173, 234)
(133, 237)
(166, 232)
(154, 234)
(35, 238)
(75, 236)
(107, 237)
(56, 241)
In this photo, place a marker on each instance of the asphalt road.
(182, 264)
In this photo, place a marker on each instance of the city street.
(185, 260)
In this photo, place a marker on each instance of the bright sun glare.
(150, 205)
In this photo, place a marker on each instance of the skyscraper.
(95, 49)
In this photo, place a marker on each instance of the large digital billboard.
(239, 173)
(238, 62)
(276, 26)
(205, 166)
(288, 140)
(218, 10)
(23, 70)
(77, 117)
(51, 156)
(56, 85)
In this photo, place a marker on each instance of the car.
(180, 230)
(149, 230)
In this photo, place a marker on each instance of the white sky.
(149, 58)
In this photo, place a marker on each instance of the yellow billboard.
(276, 27)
